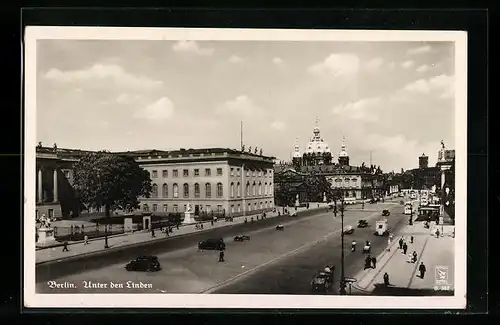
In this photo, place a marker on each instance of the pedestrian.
(386, 279)
(85, 240)
(437, 233)
(368, 262)
(389, 244)
(422, 269)
(201, 225)
(212, 222)
(414, 257)
(65, 247)
(401, 242)
(405, 248)
(374, 262)
(153, 232)
(221, 256)
(411, 239)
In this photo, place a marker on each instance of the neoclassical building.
(220, 180)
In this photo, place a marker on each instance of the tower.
(343, 156)
(296, 157)
(423, 161)
(317, 151)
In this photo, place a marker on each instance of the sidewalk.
(403, 279)
(79, 248)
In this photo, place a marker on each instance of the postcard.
(245, 168)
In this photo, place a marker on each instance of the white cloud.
(363, 109)
(407, 64)
(243, 105)
(127, 98)
(419, 50)
(374, 64)
(441, 83)
(423, 68)
(277, 60)
(191, 47)
(342, 65)
(236, 59)
(392, 65)
(104, 72)
(278, 125)
(156, 112)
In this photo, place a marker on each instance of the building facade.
(222, 181)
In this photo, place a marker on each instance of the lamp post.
(342, 289)
(410, 222)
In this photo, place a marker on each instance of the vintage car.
(144, 263)
(372, 201)
(241, 237)
(212, 243)
(348, 230)
(280, 227)
(321, 282)
(385, 213)
(362, 223)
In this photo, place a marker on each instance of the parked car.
(212, 243)
(241, 238)
(280, 227)
(372, 201)
(385, 213)
(362, 223)
(144, 263)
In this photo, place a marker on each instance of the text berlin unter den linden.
(100, 285)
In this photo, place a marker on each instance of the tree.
(112, 181)
(316, 185)
(284, 194)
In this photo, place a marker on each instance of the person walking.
(374, 262)
(221, 256)
(368, 262)
(422, 269)
(85, 240)
(65, 247)
(386, 279)
(212, 222)
(405, 248)
(411, 239)
(414, 255)
(401, 242)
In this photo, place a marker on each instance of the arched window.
(208, 190)
(238, 189)
(270, 188)
(260, 189)
(254, 189)
(265, 188)
(154, 191)
(196, 190)
(145, 208)
(176, 190)
(164, 190)
(232, 189)
(186, 189)
(219, 190)
(247, 190)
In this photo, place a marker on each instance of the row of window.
(208, 208)
(250, 190)
(347, 179)
(208, 172)
(185, 192)
(185, 172)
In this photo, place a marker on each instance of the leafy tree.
(112, 181)
(316, 185)
(284, 194)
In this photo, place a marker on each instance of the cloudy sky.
(394, 99)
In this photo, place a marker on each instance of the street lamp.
(410, 222)
(342, 290)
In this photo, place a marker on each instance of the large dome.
(317, 145)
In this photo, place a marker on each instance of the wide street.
(274, 262)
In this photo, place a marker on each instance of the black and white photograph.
(264, 168)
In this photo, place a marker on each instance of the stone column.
(40, 192)
(55, 192)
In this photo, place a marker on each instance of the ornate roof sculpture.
(317, 145)
(296, 152)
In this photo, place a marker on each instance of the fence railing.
(78, 233)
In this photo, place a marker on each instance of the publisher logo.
(441, 275)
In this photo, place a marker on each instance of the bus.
(408, 208)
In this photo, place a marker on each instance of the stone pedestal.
(188, 217)
(45, 236)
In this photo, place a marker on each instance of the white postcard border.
(33, 299)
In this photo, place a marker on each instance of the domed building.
(318, 151)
